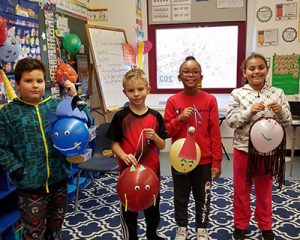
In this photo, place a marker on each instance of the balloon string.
(154, 200)
(141, 139)
(196, 115)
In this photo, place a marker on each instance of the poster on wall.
(286, 11)
(267, 37)
(161, 14)
(289, 34)
(264, 14)
(285, 73)
(181, 13)
(161, 2)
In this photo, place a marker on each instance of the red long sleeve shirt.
(207, 133)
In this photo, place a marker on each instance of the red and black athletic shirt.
(126, 128)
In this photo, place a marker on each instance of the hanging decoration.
(51, 44)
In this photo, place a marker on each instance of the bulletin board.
(76, 27)
(285, 74)
(109, 64)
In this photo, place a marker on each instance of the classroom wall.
(121, 14)
(283, 47)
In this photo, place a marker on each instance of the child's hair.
(189, 58)
(251, 56)
(136, 74)
(28, 65)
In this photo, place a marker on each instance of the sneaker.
(202, 234)
(268, 235)
(238, 234)
(181, 233)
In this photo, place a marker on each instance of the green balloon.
(71, 43)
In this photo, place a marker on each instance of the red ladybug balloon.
(3, 30)
(138, 187)
(65, 72)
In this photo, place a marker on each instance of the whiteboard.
(215, 47)
(107, 52)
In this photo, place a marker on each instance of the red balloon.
(65, 72)
(3, 30)
(138, 187)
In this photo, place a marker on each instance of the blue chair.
(221, 119)
(98, 163)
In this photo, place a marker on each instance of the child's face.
(256, 72)
(190, 74)
(32, 86)
(136, 91)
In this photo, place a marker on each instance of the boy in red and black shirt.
(126, 129)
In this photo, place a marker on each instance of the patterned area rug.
(97, 217)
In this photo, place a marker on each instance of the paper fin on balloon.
(77, 102)
(64, 109)
(188, 150)
(132, 168)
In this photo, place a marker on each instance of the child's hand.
(130, 159)
(275, 107)
(215, 172)
(186, 113)
(258, 107)
(70, 88)
(150, 134)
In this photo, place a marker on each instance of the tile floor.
(227, 167)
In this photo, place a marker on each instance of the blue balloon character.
(69, 131)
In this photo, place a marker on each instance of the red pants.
(241, 200)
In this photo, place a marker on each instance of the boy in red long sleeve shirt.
(193, 107)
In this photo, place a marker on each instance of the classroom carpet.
(98, 218)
